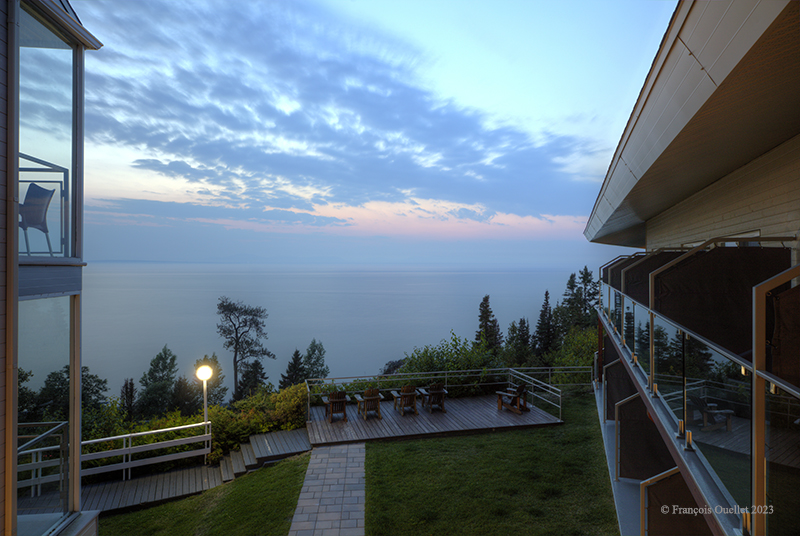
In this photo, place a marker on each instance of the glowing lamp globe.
(204, 372)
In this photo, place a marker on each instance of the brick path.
(332, 500)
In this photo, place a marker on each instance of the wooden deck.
(155, 488)
(464, 415)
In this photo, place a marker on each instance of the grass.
(538, 481)
(260, 503)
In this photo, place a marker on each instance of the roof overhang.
(61, 13)
(722, 91)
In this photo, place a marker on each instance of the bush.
(290, 407)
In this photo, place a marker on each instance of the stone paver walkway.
(332, 500)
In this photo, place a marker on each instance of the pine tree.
(253, 377)
(127, 399)
(314, 361)
(295, 371)
(544, 339)
(157, 384)
(517, 350)
(242, 327)
(488, 328)
(187, 397)
(589, 289)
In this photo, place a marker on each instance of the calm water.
(363, 318)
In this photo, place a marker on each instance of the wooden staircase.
(263, 448)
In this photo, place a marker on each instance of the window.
(46, 139)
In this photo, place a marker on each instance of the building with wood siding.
(41, 171)
(699, 327)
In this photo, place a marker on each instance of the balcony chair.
(710, 414)
(33, 213)
(406, 398)
(434, 396)
(371, 401)
(336, 402)
(515, 400)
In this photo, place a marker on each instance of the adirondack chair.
(434, 396)
(711, 414)
(371, 401)
(336, 402)
(406, 398)
(513, 399)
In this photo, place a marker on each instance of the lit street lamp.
(204, 373)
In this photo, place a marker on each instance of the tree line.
(161, 390)
(564, 335)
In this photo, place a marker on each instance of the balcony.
(728, 412)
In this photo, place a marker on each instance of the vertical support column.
(759, 498)
(74, 503)
(11, 267)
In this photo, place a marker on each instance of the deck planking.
(464, 415)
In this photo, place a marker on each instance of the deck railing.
(129, 451)
(541, 382)
(44, 459)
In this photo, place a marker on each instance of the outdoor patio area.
(464, 415)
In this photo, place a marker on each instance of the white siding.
(764, 195)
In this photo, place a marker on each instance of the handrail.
(447, 374)
(725, 353)
(128, 449)
(37, 439)
(140, 434)
(703, 246)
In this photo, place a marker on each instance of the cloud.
(297, 121)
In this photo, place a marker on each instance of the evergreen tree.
(517, 350)
(242, 327)
(127, 399)
(53, 397)
(392, 367)
(589, 290)
(314, 361)
(544, 338)
(295, 371)
(488, 328)
(187, 396)
(157, 384)
(216, 389)
(253, 377)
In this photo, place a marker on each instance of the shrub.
(290, 407)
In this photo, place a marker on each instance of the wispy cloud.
(287, 119)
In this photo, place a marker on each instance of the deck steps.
(237, 461)
(250, 458)
(226, 468)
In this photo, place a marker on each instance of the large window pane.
(44, 385)
(45, 140)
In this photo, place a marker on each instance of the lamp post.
(204, 372)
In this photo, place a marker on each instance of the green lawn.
(260, 503)
(540, 481)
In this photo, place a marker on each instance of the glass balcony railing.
(44, 209)
(703, 385)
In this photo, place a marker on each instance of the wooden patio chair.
(514, 399)
(336, 402)
(434, 396)
(371, 401)
(710, 414)
(406, 398)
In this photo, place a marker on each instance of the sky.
(357, 132)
